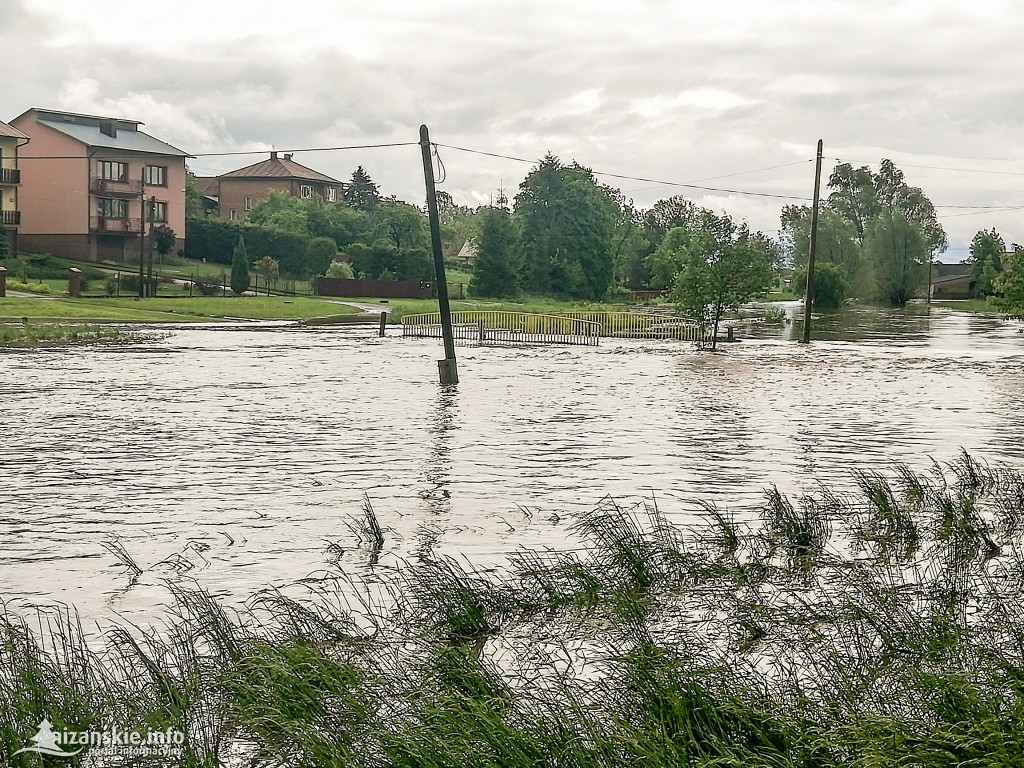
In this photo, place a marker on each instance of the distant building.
(953, 281)
(467, 254)
(11, 139)
(82, 193)
(238, 191)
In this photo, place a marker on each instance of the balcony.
(111, 188)
(10, 218)
(10, 176)
(111, 226)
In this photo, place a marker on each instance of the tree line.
(567, 235)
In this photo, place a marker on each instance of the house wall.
(54, 193)
(234, 191)
(59, 204)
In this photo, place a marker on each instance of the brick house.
(238, 191)
(85, 181)
(11, 139)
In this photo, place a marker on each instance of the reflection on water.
(234, 458)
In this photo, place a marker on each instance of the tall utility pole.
(446, 368)
(150, 285)
(809, 291)
(142, 241)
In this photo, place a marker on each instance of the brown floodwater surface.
(236, 458)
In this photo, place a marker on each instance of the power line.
(934, 167)
(657, 182)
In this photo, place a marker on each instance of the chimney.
(288, 156)
(108, 128)
(273, 155)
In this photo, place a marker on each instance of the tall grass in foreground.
(54, 334)
(881, 627)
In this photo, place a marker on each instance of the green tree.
(987, 252)
(195, 208)
(567, 223)
(897, 251)
(340, 269)
(361, 192)
(722, 266)
(830, 286)
(400, 225)
(497, 264)
(1010, 282)
(320, 254)
(239, 268)
(280, 210)
(163, 240)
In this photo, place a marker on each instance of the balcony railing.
(10, 176)
(10, 218)
(114, 226)
(112, 188)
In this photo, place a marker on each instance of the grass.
(171, 310)
(52, 335)
(880, 627)
(398, 308)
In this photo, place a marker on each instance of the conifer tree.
(240, 268)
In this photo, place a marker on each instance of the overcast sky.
(730, 94)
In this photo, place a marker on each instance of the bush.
(830, 285)
(208, 286)
(340, 269)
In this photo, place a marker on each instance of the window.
(158, 213)
(154, 176)
(110, 170)
(306, 191)
(112, 208)
(248, 202)
(233, 214)
(332, 194)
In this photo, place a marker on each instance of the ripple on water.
(236, 458)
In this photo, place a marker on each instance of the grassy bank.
(20, 335)
(879, 628)
(170, 310)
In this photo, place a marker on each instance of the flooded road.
(237, 457)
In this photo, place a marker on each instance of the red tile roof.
(280, 168)
(8, 130)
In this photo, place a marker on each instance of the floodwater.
(237, 458)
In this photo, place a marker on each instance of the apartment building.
(86, 180)
(11, 140)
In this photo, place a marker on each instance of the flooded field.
(237, 458)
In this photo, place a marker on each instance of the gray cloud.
(660, 90)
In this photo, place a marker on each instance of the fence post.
(74, 282)
(383, 322)
(483, 330)
(3, 280)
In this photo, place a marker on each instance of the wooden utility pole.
(809, 291)
(446, 368)
(150, 285)
(142, 243)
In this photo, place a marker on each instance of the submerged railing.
(558, 328)
(492, 327)
(641, 325)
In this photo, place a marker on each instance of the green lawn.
(170, 310)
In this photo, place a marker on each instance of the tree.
(4, 248)
(897, 251)
(280, 210)
(401, 225)
(497, 264)
(1010, 282)
(163, 240)
(362, 193)
(320, 254)
(567, 222)
(340, 269)
(722, 266)
(195, 207)
(830, 286)
(859, 197)
(987, 252)
(239, 268)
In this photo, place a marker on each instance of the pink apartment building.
(11, 141)
(83, 182)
